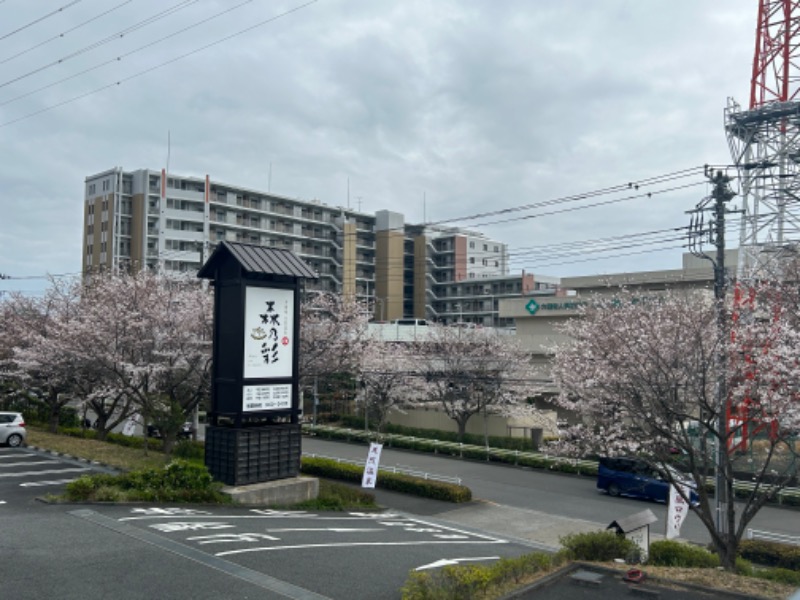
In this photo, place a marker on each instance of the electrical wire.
(160, 65)
(39, 20)
(119, 58)
(64, 33)
(102, 42)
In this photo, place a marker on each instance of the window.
(486, 247)
(92, 188)
(496, 249)
(472, 260)
(472, 245)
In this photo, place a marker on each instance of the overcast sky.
(439, 110)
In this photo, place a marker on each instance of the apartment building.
(150, 219)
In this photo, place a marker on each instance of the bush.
(669, 553)
(771, 554)
(426, 488)
(190, 450)
(779, 575)
(474, 581)
(598, 546)
(339, 497)
(179, 481)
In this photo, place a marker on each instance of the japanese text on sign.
(268, 332)
(371, 466)
(266, 397)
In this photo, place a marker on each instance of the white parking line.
(43, 483)
(44, 472)
(25, 464)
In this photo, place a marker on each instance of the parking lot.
(26, 473)
(306, 551)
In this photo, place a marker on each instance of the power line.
(111, 38)
(592, 205)
(159, 66)
(634, 185)
(63, 33)
(40, 19)
(125, 55)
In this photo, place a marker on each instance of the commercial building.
(538, 318)
(151, 219)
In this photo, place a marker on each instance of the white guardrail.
(768, 536)
(411, 472)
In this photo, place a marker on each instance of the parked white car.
(12, 429)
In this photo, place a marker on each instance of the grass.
(120, 457)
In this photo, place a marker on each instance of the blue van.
(638, 478)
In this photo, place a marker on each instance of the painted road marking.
(283, 588)
(354, 545)
(189, 520)
(28, 463)
(44, 472)
(444, 562)
(43, 483)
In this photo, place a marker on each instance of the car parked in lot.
(639, 478)
(12, 429)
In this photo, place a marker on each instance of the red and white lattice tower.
(765, 145)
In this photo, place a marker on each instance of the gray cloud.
(472, 105)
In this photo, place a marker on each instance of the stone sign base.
(247, 455)
(271, 493)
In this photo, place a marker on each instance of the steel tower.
(765, 144)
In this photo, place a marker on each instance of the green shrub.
(771, 554)
(426, 488)
(179, 481)
(474, 581)
(669, 553)
(743, 567)
(598, 546)
(190, 450)
(779, 575)
(339, 497)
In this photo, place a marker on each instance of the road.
(533, 497)
(83, 552)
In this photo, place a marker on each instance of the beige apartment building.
(150, 219)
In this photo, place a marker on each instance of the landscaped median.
(149, 477)
(396, 482)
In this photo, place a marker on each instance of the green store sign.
(534, 307)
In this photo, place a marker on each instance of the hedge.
(669, 553)
(771, 554)
(397, 482)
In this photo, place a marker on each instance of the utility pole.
(715, 232)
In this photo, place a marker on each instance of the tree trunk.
(100, 425)
(462, 428)
(55, 410)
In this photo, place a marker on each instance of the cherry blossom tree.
(386, 380)
(33, 329)
(333, 340)
(642, 373)
(472, 371)
(148, 340)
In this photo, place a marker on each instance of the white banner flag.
(371, 466)
(678, 509)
